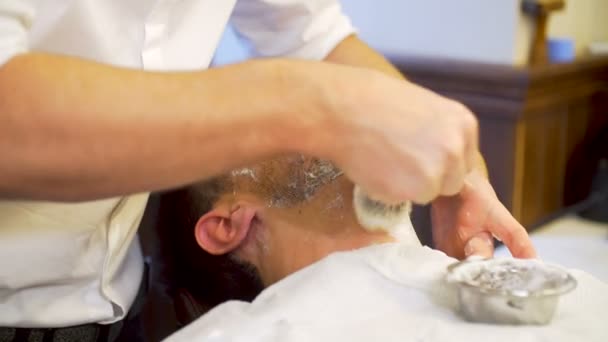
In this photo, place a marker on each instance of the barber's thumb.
(481, 244)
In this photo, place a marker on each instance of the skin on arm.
(74, 130)
(465, 223)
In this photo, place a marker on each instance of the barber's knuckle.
(428, 182)
(456, 147)
(453, 147)
(472, 124)
(454, 107)
(466, 116)
(430, 172)
(459, 107)
(463, 235)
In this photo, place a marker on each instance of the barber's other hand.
(399, 141)
(464, 224)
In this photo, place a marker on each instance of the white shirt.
(65, 264)
(390, 292)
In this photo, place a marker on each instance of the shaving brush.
(375, 215)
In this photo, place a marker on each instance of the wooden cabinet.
(531, 120)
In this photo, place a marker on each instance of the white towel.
(389, 292)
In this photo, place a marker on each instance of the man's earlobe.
(220, 232)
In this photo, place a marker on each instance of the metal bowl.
(509, 291)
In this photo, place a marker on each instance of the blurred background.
(536, 75)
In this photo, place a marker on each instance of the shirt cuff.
(15, 22)
(296, 29)
(319, 44)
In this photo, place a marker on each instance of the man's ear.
(221, 231)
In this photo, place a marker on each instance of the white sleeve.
(307, 29)
(15, 21)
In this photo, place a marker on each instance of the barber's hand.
(464, 224)
(399, 141)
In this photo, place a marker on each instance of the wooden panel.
(587, 145)
(497, 144)
(544, 165)
(532, 120)
(577, 123)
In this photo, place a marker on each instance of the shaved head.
(280, 182)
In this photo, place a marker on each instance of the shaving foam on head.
(286, 181)
(295, 179)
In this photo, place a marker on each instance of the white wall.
(480, 30)
(492, 31)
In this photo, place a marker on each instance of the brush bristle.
(375, 215)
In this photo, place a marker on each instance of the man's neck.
(291, 248)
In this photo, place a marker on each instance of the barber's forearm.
(74, 130)
(353, 51)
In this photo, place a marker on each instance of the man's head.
(254, 226)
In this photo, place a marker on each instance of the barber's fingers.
(481, 244)
(471, 151)
(461, 152)
(455, 170)
(513, 235)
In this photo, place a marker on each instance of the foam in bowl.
(513, 276)
(509, 291)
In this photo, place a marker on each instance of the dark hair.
(210, 279)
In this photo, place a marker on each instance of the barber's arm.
(72, 129)
(465, 223)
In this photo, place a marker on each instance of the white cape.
(387, 292)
